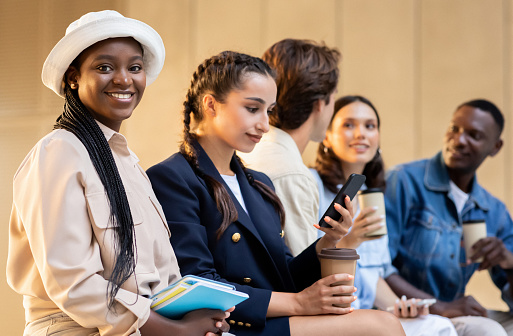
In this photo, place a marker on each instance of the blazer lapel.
(208, 167)
(255, 205)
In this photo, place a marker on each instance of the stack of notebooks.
(191, 293)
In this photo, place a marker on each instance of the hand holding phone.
(350, 188)
(418, 303)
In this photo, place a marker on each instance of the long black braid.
(217, 76)
(77, 120)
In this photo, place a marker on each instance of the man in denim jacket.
(426, 203)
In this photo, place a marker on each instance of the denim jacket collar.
(436, 178)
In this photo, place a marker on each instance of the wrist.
(296, 307)
(438, 308)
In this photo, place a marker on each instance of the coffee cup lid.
(339, 254)
(370, 191)
(474, 221)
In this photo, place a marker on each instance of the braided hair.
(79, 121)
(328, 165)
(218, 76)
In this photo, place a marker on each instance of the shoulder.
(174, 163)
(57, 149)
(259, 176)
(494, 203)
(411, 170)
(172, 173)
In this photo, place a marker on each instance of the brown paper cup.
(374, 198)
(472, 232)
(339, 260)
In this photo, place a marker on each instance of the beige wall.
(416, 60)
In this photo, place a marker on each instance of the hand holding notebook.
(193, 292)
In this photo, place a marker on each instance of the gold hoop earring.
(325, 150)
(73, 86)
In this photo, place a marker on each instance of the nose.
(460, 138)
(122, 78)
(359, 131)
(263, 123)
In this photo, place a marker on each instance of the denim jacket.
(425, 229)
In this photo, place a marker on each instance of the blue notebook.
(193, 292)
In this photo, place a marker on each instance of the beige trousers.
(58, 324)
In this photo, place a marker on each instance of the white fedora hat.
(98, 26)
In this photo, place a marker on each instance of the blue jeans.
(58, 324)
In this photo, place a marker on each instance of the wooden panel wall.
(416, 60)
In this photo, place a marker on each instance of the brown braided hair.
(218, 76)
(328, 165)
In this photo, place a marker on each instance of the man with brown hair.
(306, 77)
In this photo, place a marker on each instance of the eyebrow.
(111, 57)
(260, 100)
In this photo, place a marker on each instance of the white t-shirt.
(234, 186)
(460, 197)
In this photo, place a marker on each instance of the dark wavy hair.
(305, 72)
(218, 76)
(329, 166)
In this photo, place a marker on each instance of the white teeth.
(120, 95)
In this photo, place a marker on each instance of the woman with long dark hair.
(352, 146)
(227, 222)
(88, 242)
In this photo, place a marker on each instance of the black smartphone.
(350, 188)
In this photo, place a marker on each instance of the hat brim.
(76, 41)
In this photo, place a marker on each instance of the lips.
(255, 138)
(456, 154)
(118, 95)
(359, 147)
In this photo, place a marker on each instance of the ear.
(496, 147)
(209, 105)
(318, 106)
(327, 140)
(72, 76)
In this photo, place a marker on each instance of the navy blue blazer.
(251, 253)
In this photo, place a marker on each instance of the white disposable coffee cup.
(339, 260)
(374, 198)
(473, 230)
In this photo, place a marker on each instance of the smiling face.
(239, 122)
(472, 136)
(353, 135)
(110, 79)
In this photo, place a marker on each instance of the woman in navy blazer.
(226, 221)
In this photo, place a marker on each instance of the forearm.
(385, 297)
(283, 304)
(402, 287)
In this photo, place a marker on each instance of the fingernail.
(351, 309)
(396, 300)
(403, 297)
(375, 208)
(382, 216)
(413, 301)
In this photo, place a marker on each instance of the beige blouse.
(61, 241)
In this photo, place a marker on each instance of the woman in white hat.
(88, 241)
